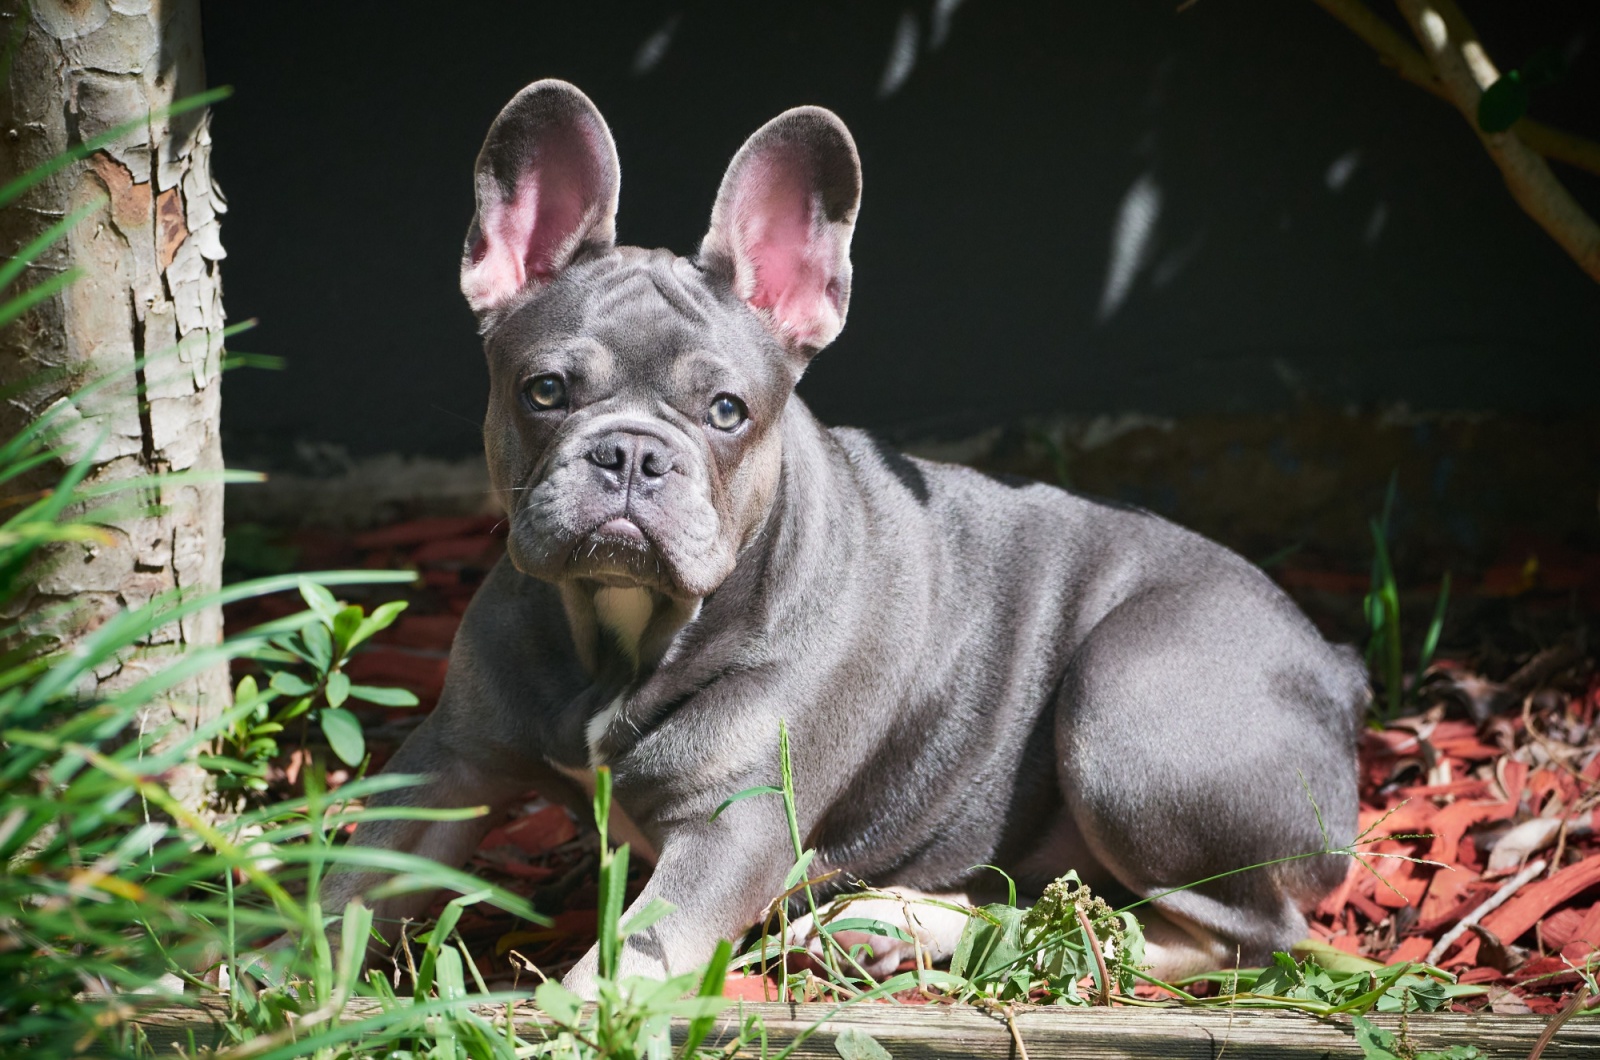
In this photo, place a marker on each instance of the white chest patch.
(595, 730)
(625, 612)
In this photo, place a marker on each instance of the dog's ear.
(546, 184)
(782, 223)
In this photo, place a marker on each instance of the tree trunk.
(149, 287)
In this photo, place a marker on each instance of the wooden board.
(912, 1031)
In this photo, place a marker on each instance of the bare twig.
(1016, 1035)
(1588, 785)
(1495, 901)
(1411, 65)
(1465, 70)
(1099, 958)
(1567, 1012)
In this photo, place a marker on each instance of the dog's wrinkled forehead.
(642, 312)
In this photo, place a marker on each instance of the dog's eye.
(727, 412)
(546, 392)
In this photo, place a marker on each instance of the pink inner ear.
(538, 228)
(529, 238)
(789, 260)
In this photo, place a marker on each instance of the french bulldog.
(973, 671)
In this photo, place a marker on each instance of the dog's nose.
(609, 454)
(628, 457)
(653, 458)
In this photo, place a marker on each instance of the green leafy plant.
(1379, 1044)
(1327, 982)
(254, 550)
(307, 682)
(114, 893)
(1042, 952)
(1385, 651)
(111, 886)
(321, 1003)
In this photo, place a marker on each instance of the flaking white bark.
(150, 288)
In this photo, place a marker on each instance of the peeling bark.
(150, 287)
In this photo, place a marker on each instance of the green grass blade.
(22, 301)
(613, 895)
(711, 984)
(1430, 642)
(14, 267)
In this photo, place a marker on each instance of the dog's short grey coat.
(972, 670)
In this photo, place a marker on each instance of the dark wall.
(1312, 226)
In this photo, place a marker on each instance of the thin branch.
(1559, 145)
(1011, 1021)
(1393, 49)
(1411, 65)
(1462, 65)
(1565, 1013)
(1495, 901)
(1099, 957)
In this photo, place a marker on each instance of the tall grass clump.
(114, 894)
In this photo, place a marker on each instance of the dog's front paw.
(877, 955)
(631, 963)
(933, 922)
(581, 978)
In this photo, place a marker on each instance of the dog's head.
(635, 396)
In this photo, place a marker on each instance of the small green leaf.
(853, 1043)
(602, 808)
(871, 927)
(990, 945)
(613, 888)
(1503, 102)
(343, 730)
(345, 624)
(245, 690)
(765, 789)
(640, 921)
(711, 985)
(1430, 641)
(291, 684)
(382, 618)
(383, 697)
(1375, 1042)
(798, 871)
(319, 600)
(338, 687)
(557, 1002)
(317, 644)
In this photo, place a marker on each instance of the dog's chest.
(624, 613)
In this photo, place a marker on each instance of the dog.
(973, 671)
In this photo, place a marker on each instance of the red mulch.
(1478, 802)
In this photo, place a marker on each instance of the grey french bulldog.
(973, 671)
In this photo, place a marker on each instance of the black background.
(993, 180)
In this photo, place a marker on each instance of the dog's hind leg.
(1202, 732)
